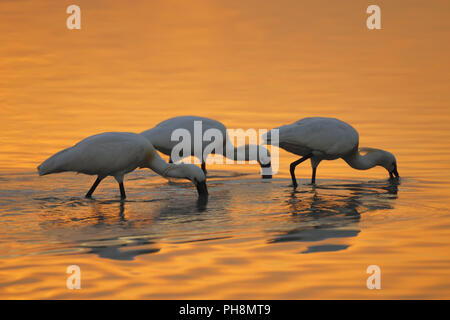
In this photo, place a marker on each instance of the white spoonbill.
(320, 139)
(116, 154)
(160, 137)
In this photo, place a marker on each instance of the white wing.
(160, 135)
(108, 153)
(328, 136)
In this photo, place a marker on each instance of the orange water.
(249, 64)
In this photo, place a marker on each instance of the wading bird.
(116, 154)
(160, 137)
(320, 139)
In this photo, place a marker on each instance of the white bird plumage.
(319, 138)
(160, 137)
(116, 154)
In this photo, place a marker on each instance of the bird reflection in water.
(119, 248)
(119, 230)
(334, 211)
(99, 227)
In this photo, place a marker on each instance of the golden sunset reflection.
(249, 64)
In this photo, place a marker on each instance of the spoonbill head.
(383, 159)
(161, 138)
(320, 138)
(190, 172)
(116, 154)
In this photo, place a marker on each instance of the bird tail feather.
(54, 164)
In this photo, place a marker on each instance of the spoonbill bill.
(116, 154)
(319, 138)
(160, 137)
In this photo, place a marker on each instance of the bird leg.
(122, 191)
(204, 167)
(119, 179)
(313, 179)
(314, 163)
(295, 164)
(94, 186)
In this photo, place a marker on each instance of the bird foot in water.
(394, 179)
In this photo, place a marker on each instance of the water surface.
(250, 65)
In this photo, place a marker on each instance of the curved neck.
(361, 162)
(161, 167)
